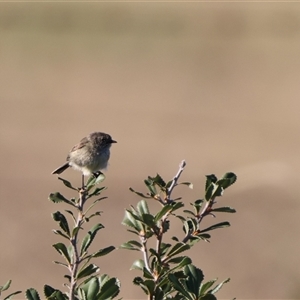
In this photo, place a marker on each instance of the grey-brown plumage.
(90, 155)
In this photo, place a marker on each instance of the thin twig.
(206, 210)
(145, 253)
(175, 179)
(82, 181)
(76, 259)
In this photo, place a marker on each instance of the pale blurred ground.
(216, 84)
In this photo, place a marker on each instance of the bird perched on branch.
(90, 155)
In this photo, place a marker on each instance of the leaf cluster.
(5, 287)
(167, 271)
(83, 278)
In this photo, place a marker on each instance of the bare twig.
(82, 181)
(76, 259)
(206, 210)
(175, 179)
(145, 253)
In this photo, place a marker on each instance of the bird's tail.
(61, 168)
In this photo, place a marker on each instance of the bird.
(90, 155)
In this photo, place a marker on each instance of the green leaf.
(109, 289)
(61, 264)
(224, 209)
(177, 205)
(150, 185)
(48, 290)
(131, 220)
(185, 261)
(215, 226)
(227, 180)
(165, 210)
(87, 271)
(58, 197)
(148, 220)
(92, 181)
(189, 213)
(169, 184)
(208, 297)
(201, 236)
(82, 294)
(103, 251)
(204, 287)
(139, 281)
(194, 279)
(62, 250)
(219, 286)
(178, 248)
(142, 207)
(8, 297)
(179, 287)
(93, 289)
(97, 213)
(88, 239)
(209, 180)
(159, 293)
(132, 245)
(75, 230)
(189, 184)
(147, 286)
(218, 191)
(197, 205)
(209, 191)
(5, 286)
(61, 234)
(51, 293)
(140, 194)
(190, 226)
(97, 191)
(159, 181)
(186, 227)
(138, 265)
(147, 274)
(176, 260)
(100, 178)
(84, 286)
(62, 221)
(32, 294)
(164, 248)
(67, 184)
(168, 208)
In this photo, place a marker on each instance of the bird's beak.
(112, 141)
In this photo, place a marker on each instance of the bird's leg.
(82, 178)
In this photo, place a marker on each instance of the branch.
(206, 210)
(76, 259)
(175, 179)
(145, 253)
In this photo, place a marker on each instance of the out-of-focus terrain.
(216, 84)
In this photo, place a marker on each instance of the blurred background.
(216, 84)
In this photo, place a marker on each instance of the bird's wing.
(80, 145)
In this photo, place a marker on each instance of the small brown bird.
(90, 155)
